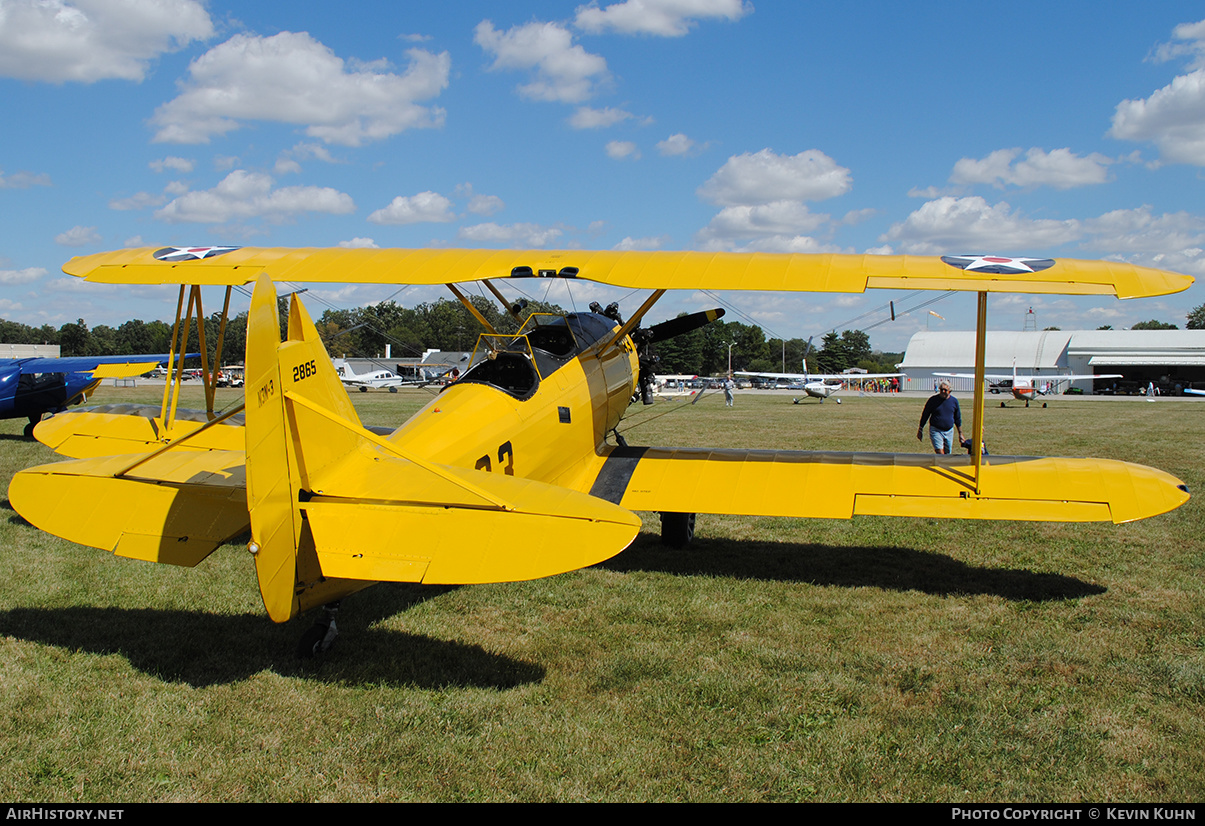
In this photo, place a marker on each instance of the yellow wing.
(638, 270)
(843, 485)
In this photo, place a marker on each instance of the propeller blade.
(683, 324)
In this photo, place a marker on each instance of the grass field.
(774, 660)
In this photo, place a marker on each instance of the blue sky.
(1073, 129)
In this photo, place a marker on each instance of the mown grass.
(775, 660)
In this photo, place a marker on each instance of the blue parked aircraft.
(33, 387)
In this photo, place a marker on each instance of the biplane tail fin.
(278, 469)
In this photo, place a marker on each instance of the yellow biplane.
(512, 472)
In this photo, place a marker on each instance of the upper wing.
(637, 270)
(841, 485)
(101, 367)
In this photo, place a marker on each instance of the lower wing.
(843, 485)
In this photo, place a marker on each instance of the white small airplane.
(376, 379)
(674, 385)
(1028, 388)
(822, 385)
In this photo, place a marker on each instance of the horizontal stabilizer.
(174, 508)
(841, 485)
(385, 518)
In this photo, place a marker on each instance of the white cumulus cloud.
(619, 150)
(648, 243)
(77, 237)
(292, 78)
(359, 243)
(780, 218)
(961, 225)
(764, 177)
(139, 200)
(1173, 118)
(677, 145)
(1060, 169)
(425, 207)
(24, 180)
(173, 163)
(23, 276)
(242, 195)
(1137, 230)
(587, 117)
(516, 235)
(89, 40)
(663, 18)
(485, 204)
(563, 72)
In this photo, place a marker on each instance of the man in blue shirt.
(944, 417)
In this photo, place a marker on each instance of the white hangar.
(1171, 359)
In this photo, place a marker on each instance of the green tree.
(1154, 324)
(844, 351)
(73, 339)
(1196, 318)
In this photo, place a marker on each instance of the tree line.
(447, 325)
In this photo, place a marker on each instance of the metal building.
(1169, 359)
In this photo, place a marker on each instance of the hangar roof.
(1033, 351)
(1051, 349)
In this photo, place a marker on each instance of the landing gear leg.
(319, 636)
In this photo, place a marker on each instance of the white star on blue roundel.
(190, 253)
(998, 264)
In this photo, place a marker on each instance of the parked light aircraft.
(1028, 388)
(517, 470)
(32, 387)
(823, 385)
(377, 379)
(673, 385)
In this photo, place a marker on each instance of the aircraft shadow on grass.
(892, 568)
(203, 649)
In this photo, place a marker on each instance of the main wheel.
(33, 422)
(317, 638)
(677, 529)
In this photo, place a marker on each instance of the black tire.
(677, 529)
(392, 389)
(363, 389)
(33, 422)
(308, 645)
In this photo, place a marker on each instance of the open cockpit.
(516, 364)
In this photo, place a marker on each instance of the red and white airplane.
(1028, 388)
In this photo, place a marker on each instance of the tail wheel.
(677, 529)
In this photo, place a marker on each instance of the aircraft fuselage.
(33, 394)
(532, 414)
